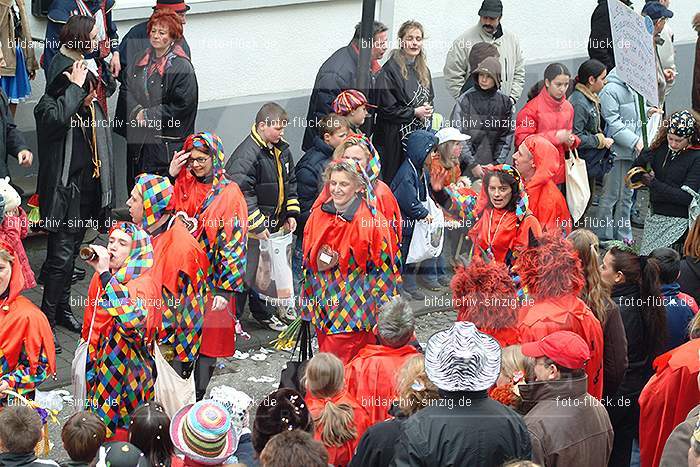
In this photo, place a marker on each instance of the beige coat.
(457, 70)
(8, 60)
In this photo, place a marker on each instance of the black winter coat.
(467, 429)
(689, 280)
(600, 44)
(338, 73)
(670, 174)
(376, 447)
(11, 140)
(170, 102)
(309, 175)
(257, 170)
(397, 99)
(486, 116)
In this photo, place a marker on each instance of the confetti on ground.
(241, 355)
(258, 357)
(264, 350)
(262, 379)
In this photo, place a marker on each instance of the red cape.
(566, 313)
(508, 236)
(370, 377)
(667, 398)
(340, 455)
(23, 325)
(188, 193)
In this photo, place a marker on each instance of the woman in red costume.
(27, 353)
(215, 207)
(484, 294)
(504, 220)
(120, 299)
(348, 264)
(669, 396)
(551, 272)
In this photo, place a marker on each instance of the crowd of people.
(575, 343)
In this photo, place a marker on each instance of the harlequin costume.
(119, 368)
(484, 294)
(220, 212)
(370, 377)
(179, 265)
(546, 201)
(27, 352)
(667, 398)
(552, 273)
(501, 233)
(342, 301)
(339, 455)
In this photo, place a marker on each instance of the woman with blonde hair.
(596, 294)
(515, 370)
(404, 96)
(339, 419)
(415, 391)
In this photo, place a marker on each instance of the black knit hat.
(282, 410)
(491, 8)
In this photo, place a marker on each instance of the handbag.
(172, 391)
(598, 162)
(293, 370)
(578, 192)
(428, 237)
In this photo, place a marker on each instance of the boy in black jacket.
(20, 432)
(263, 168)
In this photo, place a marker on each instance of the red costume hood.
(546, 162)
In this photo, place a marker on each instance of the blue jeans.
(615, 205)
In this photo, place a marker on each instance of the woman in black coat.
(673, 161)
(162, 99)
(404, 91)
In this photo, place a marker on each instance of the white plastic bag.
(428, 237)
(578, 192)
(78, 368)
(171, 391)
(274, 280)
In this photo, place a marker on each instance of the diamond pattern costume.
(119, 368)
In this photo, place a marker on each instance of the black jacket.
(377, 446)
(338, 73)
(689, 280)
(11, 140)
(397, 99)
(640, 355)
(467, 429)
(170, 102)
(257, 170)
(486, 116)
(600, 44)
(55, 121)
(24, 460)
(309, 174)
(670, 174)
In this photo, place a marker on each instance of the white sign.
(633, 45)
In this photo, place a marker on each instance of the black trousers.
(624, 418)
(61, 249)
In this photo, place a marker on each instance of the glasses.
(199, 160)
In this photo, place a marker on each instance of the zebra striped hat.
(462, 359)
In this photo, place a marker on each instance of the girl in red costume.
(348, 264)
(27, 353)
(504, 220)
(484, 294)
(215, 207)
(551, 273)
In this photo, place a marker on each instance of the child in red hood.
(549, 114)
(537, 161)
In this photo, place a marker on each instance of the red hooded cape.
(667, 398)
(545, 116)
(370, 377)
(552, 274)
(339, 455)
(546, 201)
(23, 325)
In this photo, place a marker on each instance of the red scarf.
(159, 64)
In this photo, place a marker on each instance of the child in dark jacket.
(678, 305)
(20, 432)
(82, 436)
(410, 187)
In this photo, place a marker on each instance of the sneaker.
(286, 313)
(274, 323)
(414, 294)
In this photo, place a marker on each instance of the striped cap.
(349, 100)
(203, 432)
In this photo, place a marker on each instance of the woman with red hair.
(27, 353)
(161, 104)
(484, 294)
(551, 273)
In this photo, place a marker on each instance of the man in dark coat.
(76, 177)
(464, 426)
(600, 42)
(11, 140)
(339, 73)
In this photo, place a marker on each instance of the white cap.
(450, 134)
